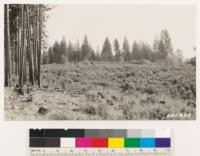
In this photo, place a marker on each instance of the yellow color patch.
(116, 142)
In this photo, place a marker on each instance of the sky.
(137, 22)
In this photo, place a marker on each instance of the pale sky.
(136, 22)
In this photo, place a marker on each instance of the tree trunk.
(23, 33)
(40, 42)
(12, 61)
(7, 46)
(17, 53)
(36, 41)
(29, 48)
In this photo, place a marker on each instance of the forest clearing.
(107, 91)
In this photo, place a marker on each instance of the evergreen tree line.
(160, 50)
(24, 32)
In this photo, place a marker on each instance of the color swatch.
(115, 142)
(100, 138)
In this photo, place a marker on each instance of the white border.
(188, 129)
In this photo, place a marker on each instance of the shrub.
(150, 90)
(96, 109)
(89, 108)
(128, 110)
(102, 111)
(63, 84)
(151, 99)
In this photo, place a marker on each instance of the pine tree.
(106, 53)
(166, 41)
(85, 49)
(135, 51)
(126, 50)
(118, 55)
(70, 51)
(161, 50)
(77, 52)
(51, 55)
(146, 51)
(63, 51)
(56, 51)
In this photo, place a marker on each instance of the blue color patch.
(147, 142)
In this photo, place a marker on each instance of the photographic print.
(100, 62)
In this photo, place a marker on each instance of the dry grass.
(93, 91)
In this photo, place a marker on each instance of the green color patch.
(132, 142)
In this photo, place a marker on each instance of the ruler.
(98, 152)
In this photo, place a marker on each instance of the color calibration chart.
(100, 142)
